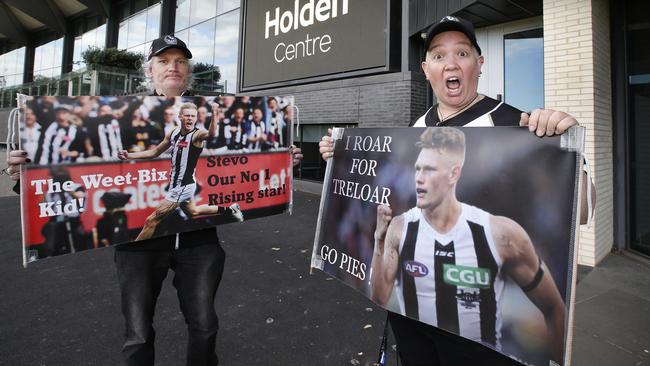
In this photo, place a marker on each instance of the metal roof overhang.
(35, 22)
(482, 13)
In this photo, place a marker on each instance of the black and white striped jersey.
(452, 280)
(110, 139)
(184, 158)
(256, 130)
(487, 112)
(57, 138)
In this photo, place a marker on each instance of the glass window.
(153, 23)
(201, 10)
(211, 30)
(137, 31)
(92, 38)
(226, 47)
(524, 69)
(11, 67)
(224, 6)
(201, 42)
(182, 14)
(48, 58)
(184, 35)
(122, 35)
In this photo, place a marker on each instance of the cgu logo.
(415, 269)
(463, 276)
(182, 144)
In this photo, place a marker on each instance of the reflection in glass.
(201, 10)
(100, 38)
(122, 35)
(47, 59)
(153, 23)
(226, 48)
(524, 69)
(224, 6)
(95, 37)
(137, 30)
(77, 62)
(182, 14)
(184, 36)
(12, 67)
(201, 41)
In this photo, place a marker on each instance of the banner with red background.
(98, 201)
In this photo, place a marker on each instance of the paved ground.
(65, 310)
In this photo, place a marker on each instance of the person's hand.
(15, 159)
(68, 154)
(123, 155)
(215, 109)
(296, 154)
(384, 216)
(547, 122)
(326, 145)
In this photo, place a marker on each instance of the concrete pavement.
(66, 310)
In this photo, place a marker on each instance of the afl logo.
(415, 269)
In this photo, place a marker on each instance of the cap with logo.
(452, 23)
(166, 42)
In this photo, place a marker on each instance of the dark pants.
(420, 344)
(197, 273)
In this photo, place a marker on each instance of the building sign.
(296, 41)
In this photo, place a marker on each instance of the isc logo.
(463, 276)
(415, 269)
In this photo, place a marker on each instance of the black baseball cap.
(452, 23)
(166, 42)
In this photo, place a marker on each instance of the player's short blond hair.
(187, 105)
(445, 140)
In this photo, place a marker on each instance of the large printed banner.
(113, 170)
(472, 230)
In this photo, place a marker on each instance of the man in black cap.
(196, 256)
(453, 67)
(168, 67)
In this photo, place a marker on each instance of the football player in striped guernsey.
(447, 260)
(186, 142)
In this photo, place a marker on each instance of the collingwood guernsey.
(453, 280)
(184, 158)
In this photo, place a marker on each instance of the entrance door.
(638, 65)
(514, 63)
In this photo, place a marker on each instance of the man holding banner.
(196, 257)
(453, 67)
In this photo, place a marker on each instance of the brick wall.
(577, 79)
(393, 99)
